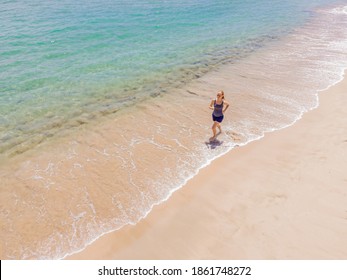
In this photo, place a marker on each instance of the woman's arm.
(226, 106)
(212, 105)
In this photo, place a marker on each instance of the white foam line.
(342, 76)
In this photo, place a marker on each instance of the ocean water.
(103, 104)
(66, 62)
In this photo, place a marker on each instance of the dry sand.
(282, 197)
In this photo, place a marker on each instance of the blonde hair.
(222, 92)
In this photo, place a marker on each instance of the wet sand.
(281, 197)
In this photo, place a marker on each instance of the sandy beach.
(105, 130)
(281, 197)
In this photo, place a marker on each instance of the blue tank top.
(218, 109)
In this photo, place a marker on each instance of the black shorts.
(217, 119)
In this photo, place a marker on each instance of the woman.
(219, 106)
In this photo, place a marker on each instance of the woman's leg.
(214, 129)
(219, 127)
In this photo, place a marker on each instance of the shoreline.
(72, 190)
(291, 207)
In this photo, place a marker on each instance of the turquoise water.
(64, 63)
